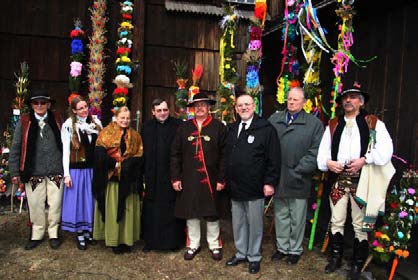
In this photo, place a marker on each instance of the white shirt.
(247, 125)
(67, 134)
(349, 147)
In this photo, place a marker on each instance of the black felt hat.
(39, 94)
(201, 97)
(355, 89)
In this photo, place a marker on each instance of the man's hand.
(335, 166)
(68, 182)
(268, 190)
(220, 186)
(177, 186)
(355, 165)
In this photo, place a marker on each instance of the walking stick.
(326, 238)
(12, 194)
(320, 189)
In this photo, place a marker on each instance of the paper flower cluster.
(97, 68)
(22, 85)
(391, 240)
(313, 43)
(341, 57)
(253, 54)
(77, 54)
(227, 66)
(181, 70)
(289, 71)
(123, 63)
(4, 161)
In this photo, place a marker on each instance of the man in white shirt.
(344, 150)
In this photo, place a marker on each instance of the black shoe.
(234, 261)
(292, 259)
(32, 244)
(216, 254)
(126, 248)
(91, 241)
(278, 256)
(254, 267)
(191, 253)
(146, 249)
(89, 238)
(81, 244)
(118, 250)
(54, 243)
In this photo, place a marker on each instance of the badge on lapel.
(250, 139)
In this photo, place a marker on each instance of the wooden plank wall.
(192, 38)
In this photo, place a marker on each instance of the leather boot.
(360, 254)
(337, 249)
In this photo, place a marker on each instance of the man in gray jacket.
(300, 134)
(36, 160)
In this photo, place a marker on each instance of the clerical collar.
(41, 118)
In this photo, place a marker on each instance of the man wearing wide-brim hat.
(197, 168)
(353, 143)
(36, 160)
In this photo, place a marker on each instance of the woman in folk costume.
(117, 183)
(79, 133)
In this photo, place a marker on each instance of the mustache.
(347, 104)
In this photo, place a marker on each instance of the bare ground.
(98, 262)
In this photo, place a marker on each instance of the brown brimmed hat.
(201, 97)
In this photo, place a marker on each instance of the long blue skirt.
(77, 202)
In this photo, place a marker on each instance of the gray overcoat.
(299, 145)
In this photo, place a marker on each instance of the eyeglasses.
(244, 105)
(161, 110)
(37, 103)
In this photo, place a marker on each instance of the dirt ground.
(99, 262)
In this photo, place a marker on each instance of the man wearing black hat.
(36, 160)
(198, 175)
(349, 143)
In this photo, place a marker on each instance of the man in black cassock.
(161, 229)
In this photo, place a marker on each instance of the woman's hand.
(68, 182)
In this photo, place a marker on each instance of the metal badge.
(250, 139)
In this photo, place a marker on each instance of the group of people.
(195, 170)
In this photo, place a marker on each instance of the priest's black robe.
(161, 229)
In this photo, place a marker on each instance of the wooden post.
(11, 198)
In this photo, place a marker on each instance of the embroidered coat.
(198, 160)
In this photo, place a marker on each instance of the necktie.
(41, 124)
(242, 129)
(292, 118)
